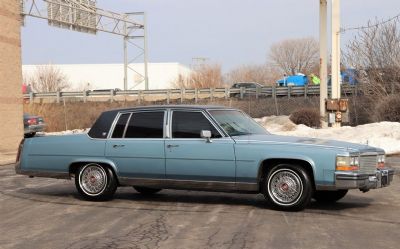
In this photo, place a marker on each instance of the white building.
(111, 76)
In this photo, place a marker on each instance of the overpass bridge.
(11, 68)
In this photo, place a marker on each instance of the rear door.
(136, 144)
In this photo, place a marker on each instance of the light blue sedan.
(202, 148)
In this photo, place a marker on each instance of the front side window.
(146, 125)
(190, 125)
(236, 123)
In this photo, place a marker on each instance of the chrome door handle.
(172, 146)
(118, 145)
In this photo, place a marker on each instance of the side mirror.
(206, 134)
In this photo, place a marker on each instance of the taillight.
(21, 145)
(381, 161)
(32, 121)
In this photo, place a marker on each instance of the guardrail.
(183, 94)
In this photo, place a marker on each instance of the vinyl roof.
(151, 107)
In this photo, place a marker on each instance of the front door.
(190, 157)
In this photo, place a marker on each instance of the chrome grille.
(368, 164)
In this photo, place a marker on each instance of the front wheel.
(325, 196)
(95, 182)
(288, 187)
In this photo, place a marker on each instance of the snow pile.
(385, 135)
(68, 132)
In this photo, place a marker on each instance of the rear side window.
(190, 124)
(146, 125)
(120, 126)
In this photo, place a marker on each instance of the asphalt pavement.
(48, 213)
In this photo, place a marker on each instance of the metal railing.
(183, 94)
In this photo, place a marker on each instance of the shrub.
(388, 109)
(306, 116)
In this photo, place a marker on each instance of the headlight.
(347, 163)
(381, 161)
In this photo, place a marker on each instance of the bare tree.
(263, 74)
(48, 78)
(295, 55)
(375, 53)
(206, 76)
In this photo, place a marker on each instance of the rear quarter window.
(102, 125)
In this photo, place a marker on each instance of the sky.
(228, 32)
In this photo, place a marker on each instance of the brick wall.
(11, 127)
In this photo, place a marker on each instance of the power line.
(394, 18)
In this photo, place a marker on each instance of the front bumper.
(353, 180)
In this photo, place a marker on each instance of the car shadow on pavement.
(179, 197)
(171, 199)
(340, 205)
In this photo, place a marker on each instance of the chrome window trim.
(109, 136)
(126, 125)
(216, 127)
(136, 139)
(167, 124)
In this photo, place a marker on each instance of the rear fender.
(95, 160)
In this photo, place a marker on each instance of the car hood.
(306, 141)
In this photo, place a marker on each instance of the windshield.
(236, 123)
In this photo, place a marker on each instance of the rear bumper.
(352, 180)
(34, 128)
(40, 173)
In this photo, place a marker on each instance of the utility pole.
(336, 52)
(323, 51)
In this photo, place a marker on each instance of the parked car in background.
(107, 91)
(33, 124)
(250, 88)
(206, 148)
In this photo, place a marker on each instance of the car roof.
(103, 123)
(155, 107)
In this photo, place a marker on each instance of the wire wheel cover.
(93, 179)
(285, 187)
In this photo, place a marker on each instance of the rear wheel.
(325, 196)
(95, 182)
(288, 187)
(146, 190)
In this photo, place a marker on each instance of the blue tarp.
(294, 80)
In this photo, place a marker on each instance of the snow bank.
(76, 131)
(385, 135)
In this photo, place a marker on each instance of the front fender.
(287, 158)
(274, 160)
